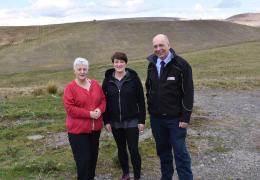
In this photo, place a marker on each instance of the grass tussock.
(52, 87)
(38, 92)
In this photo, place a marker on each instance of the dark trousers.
(129, 136)
(85, 151)
(169, 136)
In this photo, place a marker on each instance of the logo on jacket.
(170, 78)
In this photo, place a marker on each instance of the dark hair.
(120, 56)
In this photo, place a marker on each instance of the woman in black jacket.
(125, 112)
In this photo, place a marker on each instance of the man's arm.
(188, 93)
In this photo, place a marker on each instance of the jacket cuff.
(185, 117)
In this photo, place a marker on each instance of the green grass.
(231, 67)
(22, 158)
(31, 107)
(35, 78)
(33, 160)
(25, 159)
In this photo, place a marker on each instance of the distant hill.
(249, 19)
(34, 48)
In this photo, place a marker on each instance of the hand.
(141, 128)
(98, 112)
(183, 124)
(108, 127)
(93, 115)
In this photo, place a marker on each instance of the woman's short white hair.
(78, 61)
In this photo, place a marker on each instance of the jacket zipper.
(119, 99)
(120, 108)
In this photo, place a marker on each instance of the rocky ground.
(234, 122)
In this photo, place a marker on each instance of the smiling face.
(81, 71)
(161, 46)
(119, 65)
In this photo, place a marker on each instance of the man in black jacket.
(170, 93)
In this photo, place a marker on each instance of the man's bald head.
(161, 37)
(161, 46)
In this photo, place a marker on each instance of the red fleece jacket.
(78, 103)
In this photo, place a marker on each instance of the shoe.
(125, 177)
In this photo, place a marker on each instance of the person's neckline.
(121, 77)
(88, 83)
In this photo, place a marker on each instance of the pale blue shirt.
(166, 60)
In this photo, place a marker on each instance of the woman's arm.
(70, 107)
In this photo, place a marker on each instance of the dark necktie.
(162, 68)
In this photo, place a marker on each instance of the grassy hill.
(230, 67)
(54, 47)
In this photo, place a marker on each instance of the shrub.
(52, 88)
(38, 92)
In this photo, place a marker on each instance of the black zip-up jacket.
(171, 95)
(126, 103)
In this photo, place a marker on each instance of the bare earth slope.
(249, 19)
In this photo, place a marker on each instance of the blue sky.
(38, 12)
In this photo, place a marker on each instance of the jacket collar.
(109, 73)
(153, 58)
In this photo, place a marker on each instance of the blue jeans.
(169, 136)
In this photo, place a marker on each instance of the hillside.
(249, 19)
(51, 47)
(219, 120)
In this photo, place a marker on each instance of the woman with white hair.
(84, 102)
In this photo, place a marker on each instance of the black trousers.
(85, 151)
(129, 136)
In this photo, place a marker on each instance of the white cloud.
(61, 11)
(229, 4)
(51, 8)
(132, 3)
(121, 4)
(110, 3)
(7, 13)
(51, 4)
(198, 7)
(198, 11)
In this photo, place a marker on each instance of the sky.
(41, 12)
